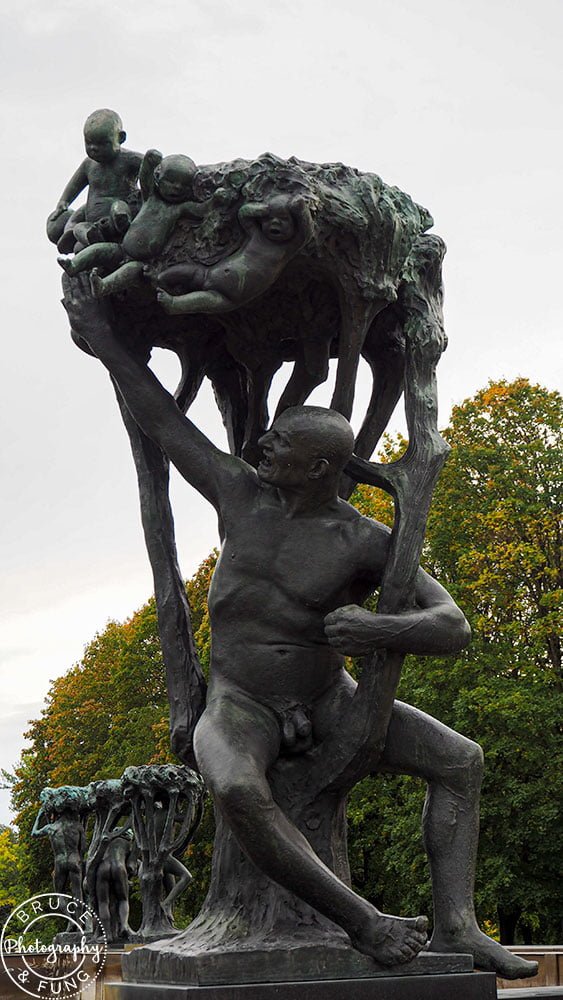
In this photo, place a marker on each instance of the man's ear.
(122, 137)
(319, 468)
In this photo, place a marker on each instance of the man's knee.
(242, 795)
(468, 764)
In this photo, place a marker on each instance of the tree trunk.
(184, 678)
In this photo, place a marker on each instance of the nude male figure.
(295, 566)
(118, 864)
(65, 829)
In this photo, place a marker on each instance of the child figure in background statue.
(166, 185)
(61, 818)
(110, 173)
(118, 864)
(277, 230)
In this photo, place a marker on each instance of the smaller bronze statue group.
(142, 825)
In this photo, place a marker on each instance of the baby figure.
(276, 232)
(110, 173)
(165, 185)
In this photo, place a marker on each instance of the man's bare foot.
(487, 954)
(96, 284)
(391, 940)
(66, 264)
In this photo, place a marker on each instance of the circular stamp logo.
(53, 945)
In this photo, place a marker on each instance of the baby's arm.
(195, 209)
(150, 162)
(76, 184)
(251, 214)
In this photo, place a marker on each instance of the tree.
(495, 528)
(12, 887)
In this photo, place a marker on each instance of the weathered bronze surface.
(292, 261)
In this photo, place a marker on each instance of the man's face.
(102, 141)
(288, 456)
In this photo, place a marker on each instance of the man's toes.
(421, 924)
(408, 952)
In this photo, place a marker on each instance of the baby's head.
(174, 178)
(103, 135)
(279, 225)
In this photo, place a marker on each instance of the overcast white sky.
(458, 102)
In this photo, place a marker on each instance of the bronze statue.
(167, 803)
(62, 818)
(112, 859)
(296, 262)
(296, 565)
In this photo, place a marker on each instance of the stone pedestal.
(301, 961)
(462, 986)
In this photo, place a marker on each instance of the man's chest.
(311, 561)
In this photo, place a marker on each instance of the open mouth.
(265, 464)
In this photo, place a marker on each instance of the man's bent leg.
(236, 741)
(452, 765)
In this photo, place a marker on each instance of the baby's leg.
(127, 275)
(108, 255)
(88, 233)
(194, 302)
(174, 867)
(67, 241)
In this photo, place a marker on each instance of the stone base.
(464, 986)
(535, 992)
(167, 962)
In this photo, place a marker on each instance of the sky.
(456, 102)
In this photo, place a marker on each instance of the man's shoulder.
(362, 523)
(372, 536)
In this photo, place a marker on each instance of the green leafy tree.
(13, 889)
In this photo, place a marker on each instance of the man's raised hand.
(90, 318)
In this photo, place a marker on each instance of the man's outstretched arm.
(208, 469)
